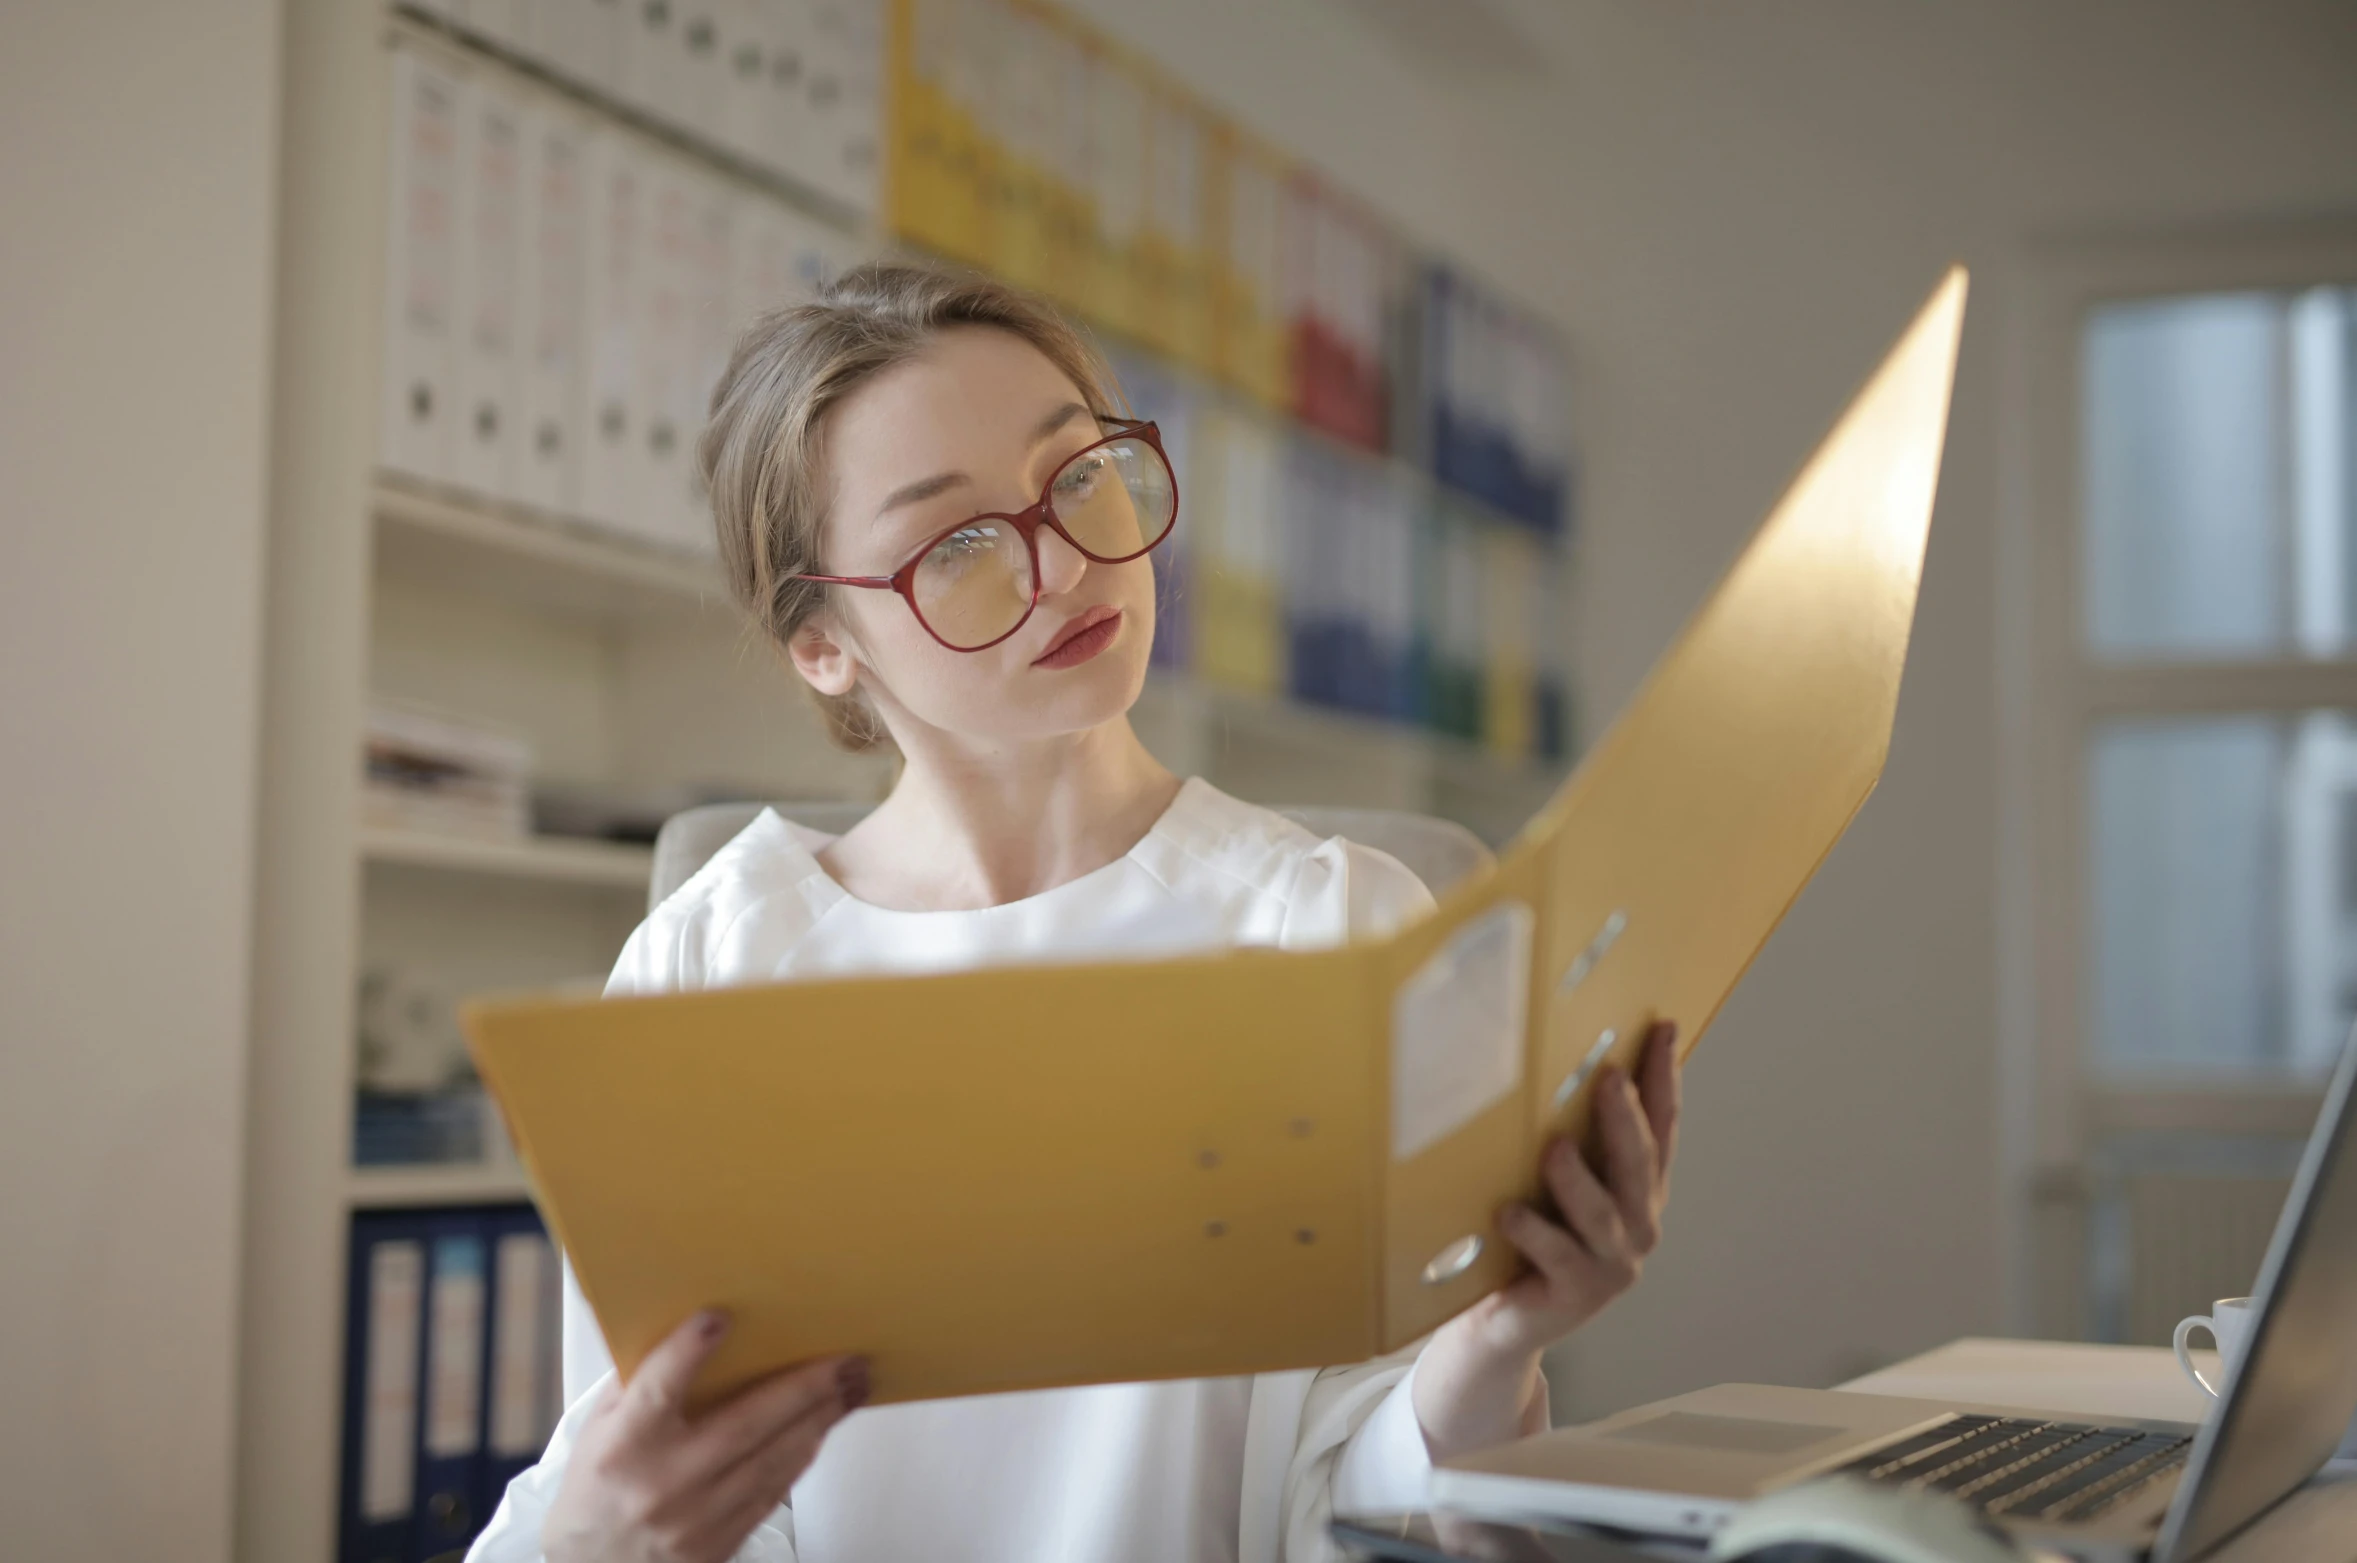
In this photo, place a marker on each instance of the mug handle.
(2185, 1327)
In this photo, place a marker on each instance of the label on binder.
(454, 1369)
(1456, 1029)
(517, 1359)
(388, 1438)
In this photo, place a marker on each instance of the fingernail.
(711, 1323)
(851, 1383)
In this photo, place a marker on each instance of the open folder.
(1251, 1160)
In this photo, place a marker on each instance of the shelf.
(457, 1183)
(550, 561)
(548, 858)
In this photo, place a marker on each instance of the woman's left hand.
(1478, 1382)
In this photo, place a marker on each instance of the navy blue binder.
(383, 1357)
(450, 1474)
(523, 1388)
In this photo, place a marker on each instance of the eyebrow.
(942, 482)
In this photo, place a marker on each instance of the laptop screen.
(2288, 1403)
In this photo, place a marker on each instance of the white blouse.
(1186, 1472)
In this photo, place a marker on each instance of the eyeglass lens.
(1116, 500)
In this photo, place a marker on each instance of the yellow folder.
(1253, 1160)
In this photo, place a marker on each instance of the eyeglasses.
(976, 584)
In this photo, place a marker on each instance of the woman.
(924, 496)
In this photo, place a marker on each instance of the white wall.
(1731, 209)
(137, 182)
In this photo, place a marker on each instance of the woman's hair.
(762, 454)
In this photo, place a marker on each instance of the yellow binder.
(1255, 1160)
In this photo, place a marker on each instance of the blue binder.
(450, 1474)
(523, 1387)
(383, 1355)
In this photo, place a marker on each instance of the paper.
(1457, 1029)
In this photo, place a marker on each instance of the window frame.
(2051, 693)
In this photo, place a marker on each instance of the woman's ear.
(824, 657)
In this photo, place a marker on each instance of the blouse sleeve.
(1359, 1449)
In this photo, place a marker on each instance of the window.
(2217, 439)
(2218, 472)
(2179, 886)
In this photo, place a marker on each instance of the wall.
(134, 282)
(1731, 209)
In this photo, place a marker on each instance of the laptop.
(2163, 1491)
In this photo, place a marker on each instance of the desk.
(2317, 1524)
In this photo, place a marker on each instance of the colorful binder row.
(1027, 144)
(561, 295)
(1489, 413)
(452, 1379)
(1303, 568)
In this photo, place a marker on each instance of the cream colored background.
(137, 157)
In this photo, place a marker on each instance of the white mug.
(2229, 1324)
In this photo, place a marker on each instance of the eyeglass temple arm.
(887, 583)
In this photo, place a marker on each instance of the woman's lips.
(1082, 639)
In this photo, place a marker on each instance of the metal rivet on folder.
(1578, 1077)
(1215, 1229)
(1453, 1260)
(1583, 963)
(1305, 1236)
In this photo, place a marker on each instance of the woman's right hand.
(648, 1483)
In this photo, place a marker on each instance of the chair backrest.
(1440, 852)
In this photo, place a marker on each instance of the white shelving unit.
(624, 665)
(550, 859)
(383, 1188)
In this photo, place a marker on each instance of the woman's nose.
(1061, 565)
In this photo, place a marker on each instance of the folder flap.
(992, 1180)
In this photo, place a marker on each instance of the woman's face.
(976, 423)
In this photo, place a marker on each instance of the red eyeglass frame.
(1026, 523)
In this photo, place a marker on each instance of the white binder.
(843, 66)
(612, 430)
(745, 42)
(711, 332)
(780, 258)
(419, 389)
(702, 68)
(490, 254)
(664, 349)
(787, 125)
(652, 62)
(555, 302)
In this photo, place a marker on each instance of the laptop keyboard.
(2026, 1469)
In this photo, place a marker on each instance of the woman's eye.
(965, 544)
(1080, 479)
